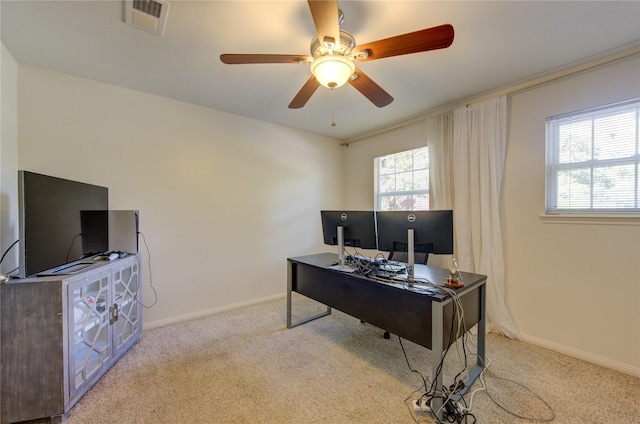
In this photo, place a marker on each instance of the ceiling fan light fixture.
(332, 71)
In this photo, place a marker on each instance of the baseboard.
(207, 312)
(585, 356)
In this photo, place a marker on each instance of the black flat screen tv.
(359, 228)
(50, 224)
(432, 231)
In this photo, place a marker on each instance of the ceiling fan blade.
(305, 93)
(326, 19)
(370, 89)
(238, 59)
(439, 37)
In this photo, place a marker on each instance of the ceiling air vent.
(149, 15)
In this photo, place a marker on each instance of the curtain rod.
(594, 62)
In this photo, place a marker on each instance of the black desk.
(423, 318)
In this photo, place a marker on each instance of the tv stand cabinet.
(60, 334)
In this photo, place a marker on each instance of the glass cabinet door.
(89, 335)
(125, 303)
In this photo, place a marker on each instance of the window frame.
(553, 165)
(378, 195)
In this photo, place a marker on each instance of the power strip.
(421, 405)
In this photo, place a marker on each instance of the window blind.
(592, 160)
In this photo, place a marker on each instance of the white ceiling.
(496, 43)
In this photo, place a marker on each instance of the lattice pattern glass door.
(89, 328)
(125, 302)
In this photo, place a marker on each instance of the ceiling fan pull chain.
(333, 121)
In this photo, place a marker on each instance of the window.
(402, 181)
(592, 160)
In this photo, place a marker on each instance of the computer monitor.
(349, 228)
(359, 228)
(415, 231)
(113, 231)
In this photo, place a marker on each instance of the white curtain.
(479, 150)
(440, 142)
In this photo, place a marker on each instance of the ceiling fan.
(334, 53)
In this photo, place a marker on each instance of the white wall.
(8, 158)
(571, 288)
(223, 199)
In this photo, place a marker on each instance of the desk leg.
(437, 320)
(437, 324)
(474, 374)
(482, 327)
(291, 276)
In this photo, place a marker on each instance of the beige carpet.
(244, 366)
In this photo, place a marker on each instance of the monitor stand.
(341, 266)
(411, 259)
